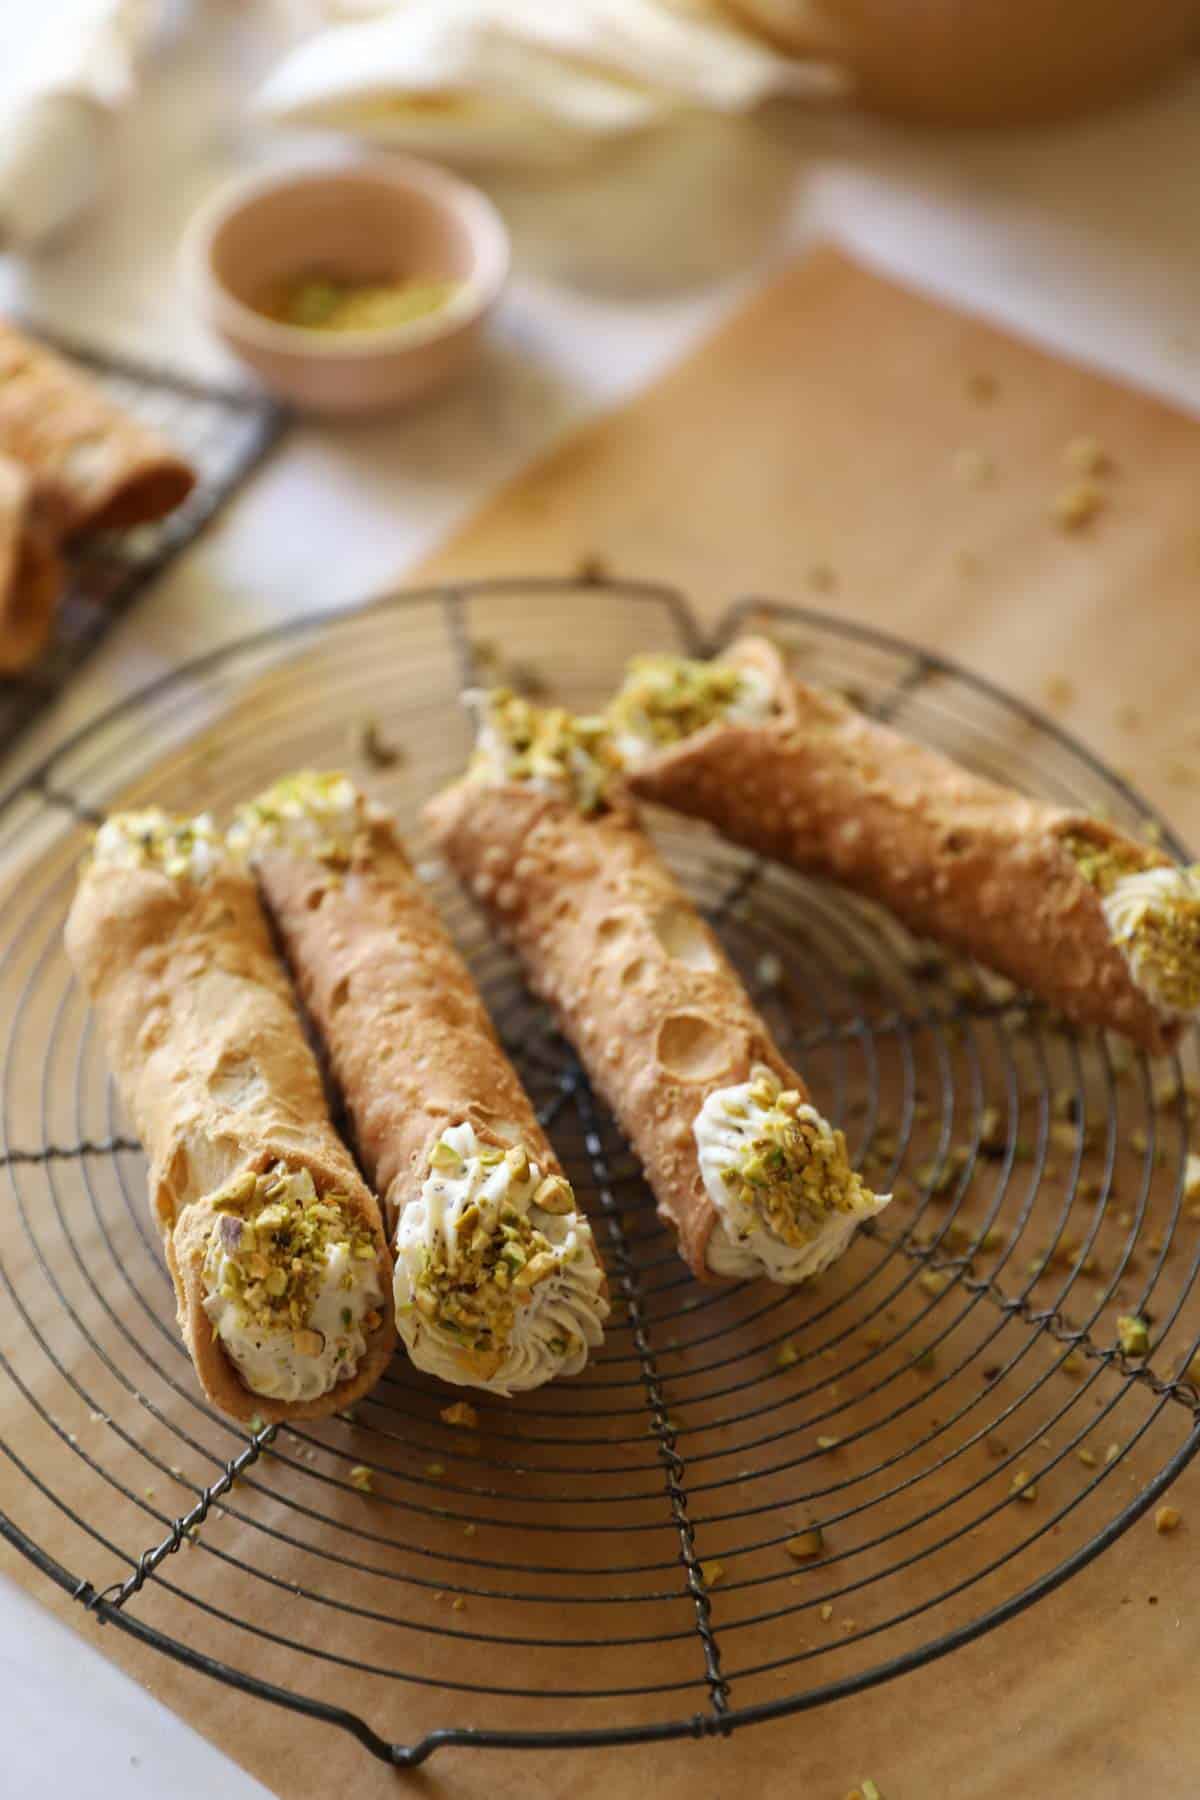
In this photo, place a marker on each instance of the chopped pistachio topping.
(1153, 914)
(317, 815)
(492, 1288)
(781, 1180)
(794, 1169)
(1167, 1519)
(292, 1283)
(153, 839)
(543, 747)
(667, 698)
(1103, 864)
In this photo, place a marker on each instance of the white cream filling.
(1131, 899)
(152, 838)
(268, 1361)
(579, 777)
(751, 705)
(310, 815)
(743, 1244)
(557, 1322)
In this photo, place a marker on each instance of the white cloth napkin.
(56, 112)
(517, 80)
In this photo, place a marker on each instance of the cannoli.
(745, 1169)
(1100, 926)
(30, 571)
(497, 1280)
(95, 467)
(275, 1246)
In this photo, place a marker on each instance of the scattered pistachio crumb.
(712, 1572)
(769, 970)
(1167, 1518)
(1077, 505)
(461, 1413)
(435, 1469)
(1112, 1453)
(368, 742)
(973, 467)
(786, 1355)
(1133, 1334)
(458, 1604)
(1087, 1457)
(828, 1443)
(1191, 1177)
(1087, 456)
(1059, 691)
(1072, 1363)
(360, 1478)
(469, 1530)
(1024, 1487)
(826, 1613)
(931, 1282)
(806, 1544)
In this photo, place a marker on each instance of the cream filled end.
(497, 1281)
(787, 1199)
(291, 1285)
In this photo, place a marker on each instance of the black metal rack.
(606, 1561)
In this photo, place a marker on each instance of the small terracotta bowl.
(388, 213)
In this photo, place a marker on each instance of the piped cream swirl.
(667, 698)
(180, 847)
(292, 1288)
(1154, 918)
(497, 1282)
(545, 748)
(314, 815)
(778, 1173)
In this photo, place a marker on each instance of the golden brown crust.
(31, 575)
(209, 1054)
(638, 982)
(957, 858)
(95, 467)
(409, 1040)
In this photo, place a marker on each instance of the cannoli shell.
(211, 1060)
(31, 575)
(409, 1040)
(95, 467)
(977, 866)
(638, 982)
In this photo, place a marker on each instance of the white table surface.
(1085, 238)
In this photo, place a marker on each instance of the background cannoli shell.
(95, 466)
(638, 982)
(31, 574)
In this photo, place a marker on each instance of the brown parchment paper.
(812, 447)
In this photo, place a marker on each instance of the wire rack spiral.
(755, 1500)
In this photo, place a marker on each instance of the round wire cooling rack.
(754, 1500)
